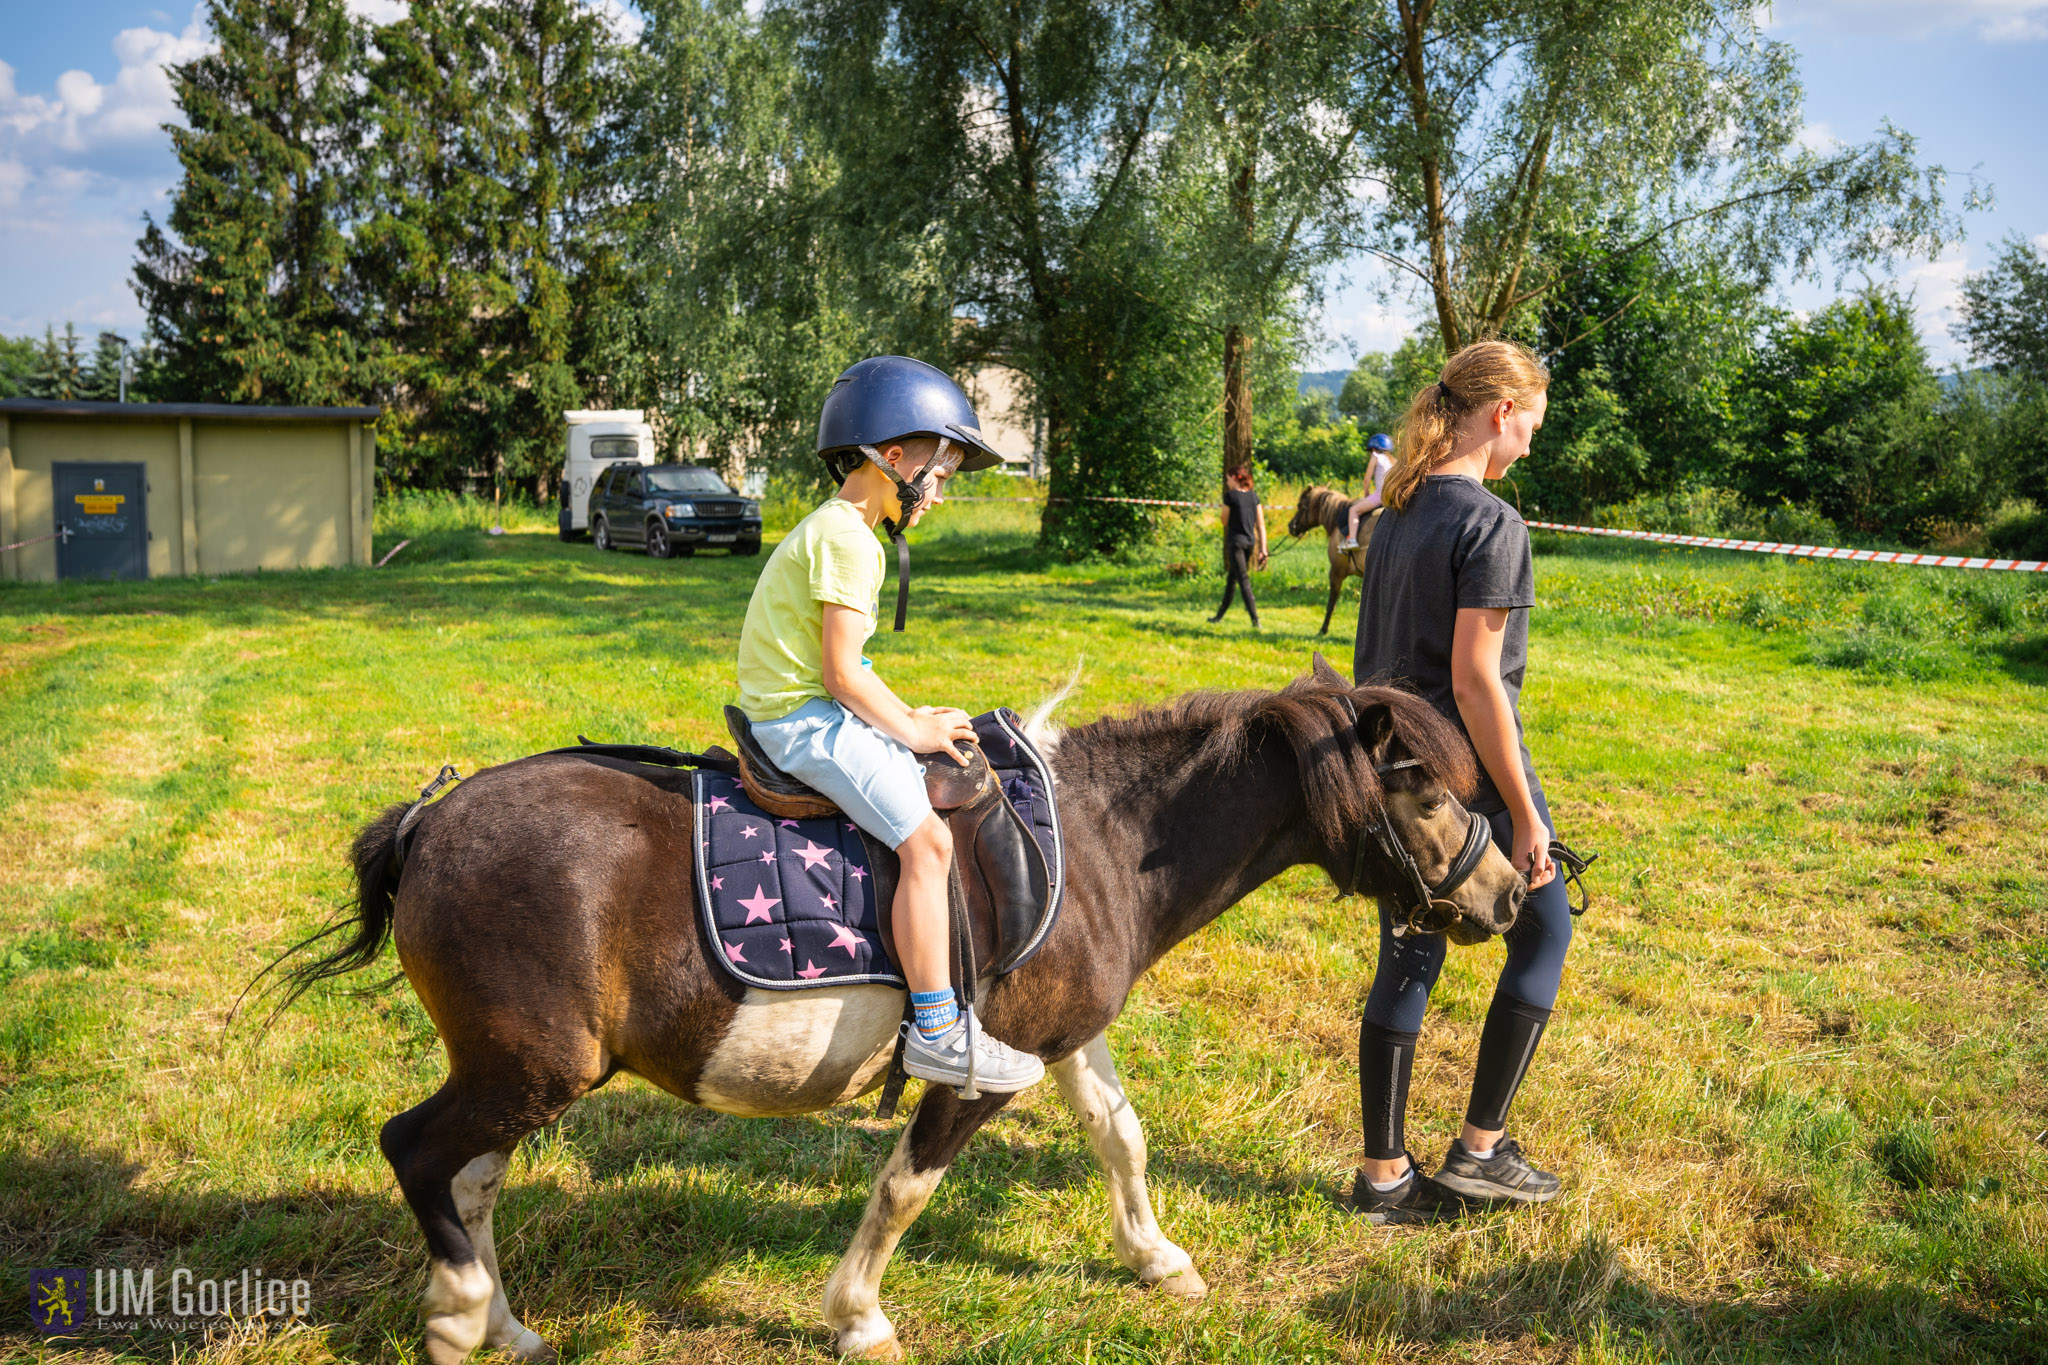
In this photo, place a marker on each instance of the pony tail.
(1422, 441)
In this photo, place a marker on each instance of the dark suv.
(671, 509)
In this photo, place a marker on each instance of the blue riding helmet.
(891, 396)
(1380, 441)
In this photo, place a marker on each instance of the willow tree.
(734, 329)
(1270, 102)
(1513, 123)
(999, 201)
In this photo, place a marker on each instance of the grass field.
(1795, 1085)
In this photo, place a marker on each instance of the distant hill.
(1329, 381)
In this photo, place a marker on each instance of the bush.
(2023, 535)
(1700, 511)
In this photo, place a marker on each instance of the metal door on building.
(101, 506)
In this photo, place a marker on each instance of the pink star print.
(717, 804)
(785, 945)
(831, 904)
(810, 971)
(812, 855)
(844, 937)
(767, 855)
(787, 824)
(749, 831)
(852, 829)
(732, 951)
(859, 873)
(718, 883)
(759, 904)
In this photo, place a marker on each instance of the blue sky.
(82, 92)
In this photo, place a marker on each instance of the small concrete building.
(144, 490)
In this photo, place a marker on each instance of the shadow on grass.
(1586, 1298)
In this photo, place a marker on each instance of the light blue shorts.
(876, 780)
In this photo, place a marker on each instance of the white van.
(598, 439)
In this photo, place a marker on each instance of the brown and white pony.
(545, 917)
(1327, 508)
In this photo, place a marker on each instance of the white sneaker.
(998, 1068)
(1349, 544)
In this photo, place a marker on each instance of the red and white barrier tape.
(62, 533)
(1779, 547)
(1768, 547)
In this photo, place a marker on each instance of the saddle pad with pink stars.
(790, 903)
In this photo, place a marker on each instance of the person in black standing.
(1244, 541)
(1445, 610)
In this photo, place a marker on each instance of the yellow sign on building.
(99, 504)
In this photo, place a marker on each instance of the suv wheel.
(747, 547)
(563, 527)
(601, 534)
(658, 544)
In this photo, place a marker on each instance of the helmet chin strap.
(910, 496)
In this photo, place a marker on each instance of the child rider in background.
(890, 425)
(1377, 466)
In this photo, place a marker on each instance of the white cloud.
(1936, 287)
(79, 164)
(1818, 137)
(1994, 21)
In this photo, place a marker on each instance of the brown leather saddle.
(1001, 887)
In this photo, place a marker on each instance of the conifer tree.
(245, 281)
(484, 240)
(60, 367)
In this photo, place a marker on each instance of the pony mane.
(1338, 780)
(1325, 507)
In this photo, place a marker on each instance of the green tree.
(19, 358)
(102, 382)
(1516, 126)
(734, 326)
(60, 370)
(1841, 415)
(485, 238)
(1648, 353)
(998, 203)
(245, 282)
(1267, 105)
(1368, 397)
(2004, 321)
(2003, 317)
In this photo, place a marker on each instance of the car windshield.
(685, 481)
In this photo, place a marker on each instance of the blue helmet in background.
(891, 396)
(1380, 441)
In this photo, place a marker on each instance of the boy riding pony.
(892, 431)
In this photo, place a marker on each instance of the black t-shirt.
(1454, 545)
(1244, 516)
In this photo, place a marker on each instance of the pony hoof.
(888, 1349)
(1186, 1283)
(530, 1345)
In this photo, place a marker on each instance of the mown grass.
(1795, 1084)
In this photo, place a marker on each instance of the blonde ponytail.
(1472, 381)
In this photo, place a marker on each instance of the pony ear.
(1323, 673)
(1376, 730)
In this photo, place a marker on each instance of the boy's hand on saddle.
(941, 729)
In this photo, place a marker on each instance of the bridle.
(1425, 909)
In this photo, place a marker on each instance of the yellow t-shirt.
(830, 556)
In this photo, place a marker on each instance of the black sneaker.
(1504, 1176)
(1418, 1199)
